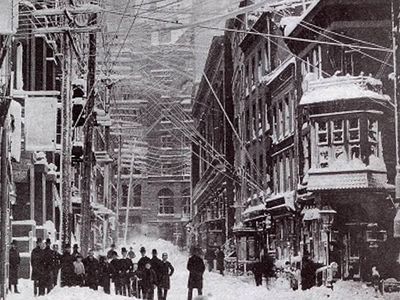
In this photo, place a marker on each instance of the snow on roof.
(288, 199)
(255, 208)
(339, 88)
(289, 23)
(294, 23)
(267, 79)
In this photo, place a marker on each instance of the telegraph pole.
(88, 154)
(66, 122)
(129, 197)
(119, 189)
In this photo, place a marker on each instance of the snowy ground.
(216, 287)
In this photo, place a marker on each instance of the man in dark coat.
(126, 268)
(37, 268)
(268, 263)
(67, 267)
(91, 271)
(48, 266)
(115, 271)
(166, 271)
(308, 269)
(210, 257)
(105, 273)
(155, 263)
(56, 262)
(220, 261)
(141, 266)
(258, 270)
(148, 281)
(111, 252)
(196, 270)
(14, 261)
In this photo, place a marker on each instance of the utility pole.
(66, 123)
(88, 154)
(129, 197)
(119, 189)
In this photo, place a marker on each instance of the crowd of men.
(133, 280)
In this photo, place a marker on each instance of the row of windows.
(166, 202)
(283, 112)
(340, 139)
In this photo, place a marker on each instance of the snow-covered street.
(216, 287)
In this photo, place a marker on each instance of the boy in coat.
(166, 271)
(14, 261)
(148, 281)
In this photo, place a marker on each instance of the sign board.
(8, 16)
(40, 123)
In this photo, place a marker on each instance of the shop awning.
(281, 201)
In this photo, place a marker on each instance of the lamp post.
(327, 216)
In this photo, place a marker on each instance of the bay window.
(322, 132)
(373, 136)
(337, 132)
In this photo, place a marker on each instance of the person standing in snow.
(131, 254)
(126, 268)
(220, 261)
(166, 271)
(258, 270)
(268, 263)
(111, 252)
(14, 261)
(376, 280)
(308, 269)
(196, 269)
(79, 270)
(210, 257)
(67, 267)
(56, 263)
(105, 273)
(148, 281)
(92, 271)
(142, 265)
(155, 263)
(115, 271)
(37, 268)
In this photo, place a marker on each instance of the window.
(322, 129)
(353, 130)
(166, 141)
(186, 202)
(288, 172)
(281, 174)
(166, 201)
(137, 196)
(287, 115)
(253, 72)
(281, 115)
(267, 65)
(260, 118)
(254, 120)
(337, 131)
(124, 197)
(246, 80)
(266, 116)
(275, 122)
(373, 136)
(259, 65)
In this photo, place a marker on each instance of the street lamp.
(327, 217)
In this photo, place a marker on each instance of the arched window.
(124, 195)
(186, 202)
(166, 201)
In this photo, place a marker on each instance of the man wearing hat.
(37, 268)
(156, 265)
(142, 265)
(111, 252)
(14, 260)
(67, 267)
(75, 251)
(126, 268)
